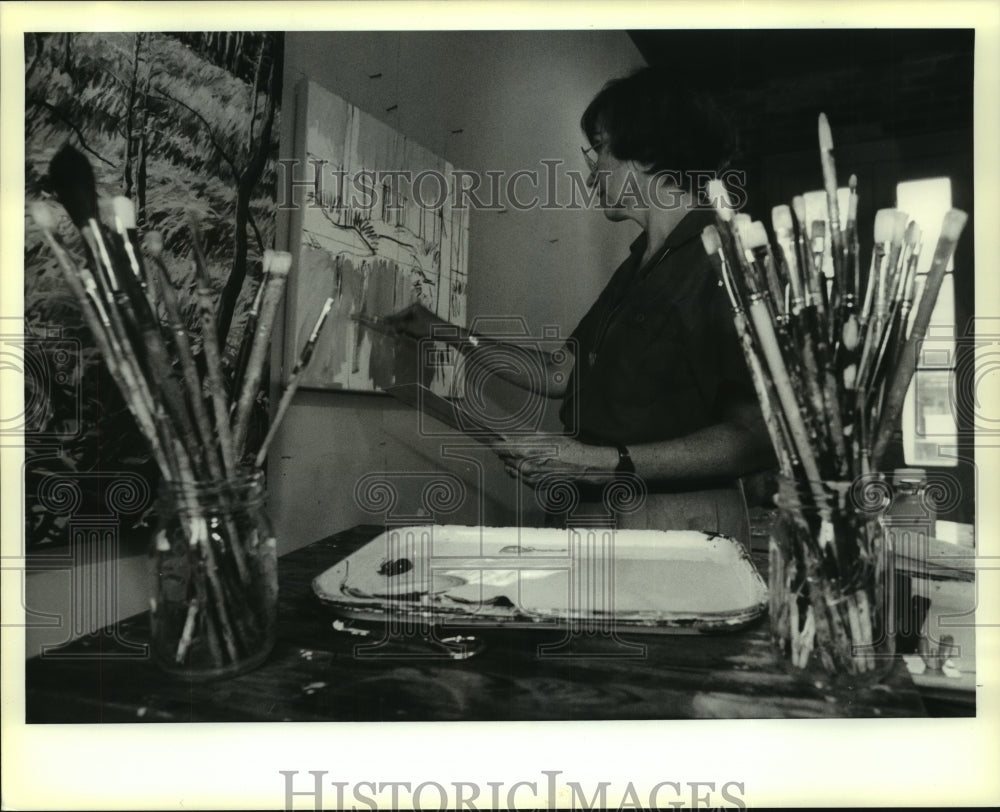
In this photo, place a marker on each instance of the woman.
(652, 380)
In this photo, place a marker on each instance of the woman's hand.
(418, 321)
(553, 454)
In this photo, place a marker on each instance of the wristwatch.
(625, 464)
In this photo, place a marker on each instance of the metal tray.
(671, 582)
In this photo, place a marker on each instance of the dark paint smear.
(396, 567)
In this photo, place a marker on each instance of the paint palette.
(679, 581)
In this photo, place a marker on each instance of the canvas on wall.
(376, 230)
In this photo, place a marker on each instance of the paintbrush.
(884, 228)
(900, 219)
(732, 245)
(810, 334)
(846, 348)
(379, 325)
(833, 211)
(891, 343)
(951, 230)
(806, 262)
(281, 263)
(82, 285)
(72, 179)
(760, 250)
(851, 248)
(768, 341)
(802, 366)
(125, 226)
(134, 333)
(770, 408)
(875, 332)
(154, 246)
(817, 245)
(213, 360)
(293, 381)
(250, 328)
(908, 287)
(189, 368)
(713, 247)
(160, 366)
(781, 222)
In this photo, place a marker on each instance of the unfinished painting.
(376, 230)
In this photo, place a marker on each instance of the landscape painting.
(376, 230)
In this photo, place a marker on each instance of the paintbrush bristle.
(756, 235)
(719, 198)
(954, 222)
(710, 239)
(818, 229)
(885, 225)
(267, 262)
(913, 234)
(72, 180)
(124, 211)
(43, 214)
(852, 184)
(799, 207)
(781, 218)
(281, 263)
(825, 136)
(321, 319)
(851, 333)
(850, 376)
(899, 221)
(742, 223)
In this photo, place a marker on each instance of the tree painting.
(186, 125)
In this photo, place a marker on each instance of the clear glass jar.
(831, 582)
(214, 605)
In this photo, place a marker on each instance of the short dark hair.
(651, 120)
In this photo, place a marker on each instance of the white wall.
(517, 98)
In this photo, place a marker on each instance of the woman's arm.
(734, 447)
(522, 364)
(528, 367)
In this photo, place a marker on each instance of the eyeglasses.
(590, 155)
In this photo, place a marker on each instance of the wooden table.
(315, 675)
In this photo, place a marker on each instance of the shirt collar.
(690, 226)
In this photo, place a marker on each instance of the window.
(928, 419)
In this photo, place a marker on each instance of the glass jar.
(831, 582)
(214, 605)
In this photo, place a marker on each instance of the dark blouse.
(657, 355)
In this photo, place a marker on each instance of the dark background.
(900, 106)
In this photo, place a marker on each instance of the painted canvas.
(376, 229)
(186, 125)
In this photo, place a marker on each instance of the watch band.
(625, 464)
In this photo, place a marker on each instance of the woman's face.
(621, 185)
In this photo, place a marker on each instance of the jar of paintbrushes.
(214, 606)
(831, 583)
(214, 594)
(831, 357)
